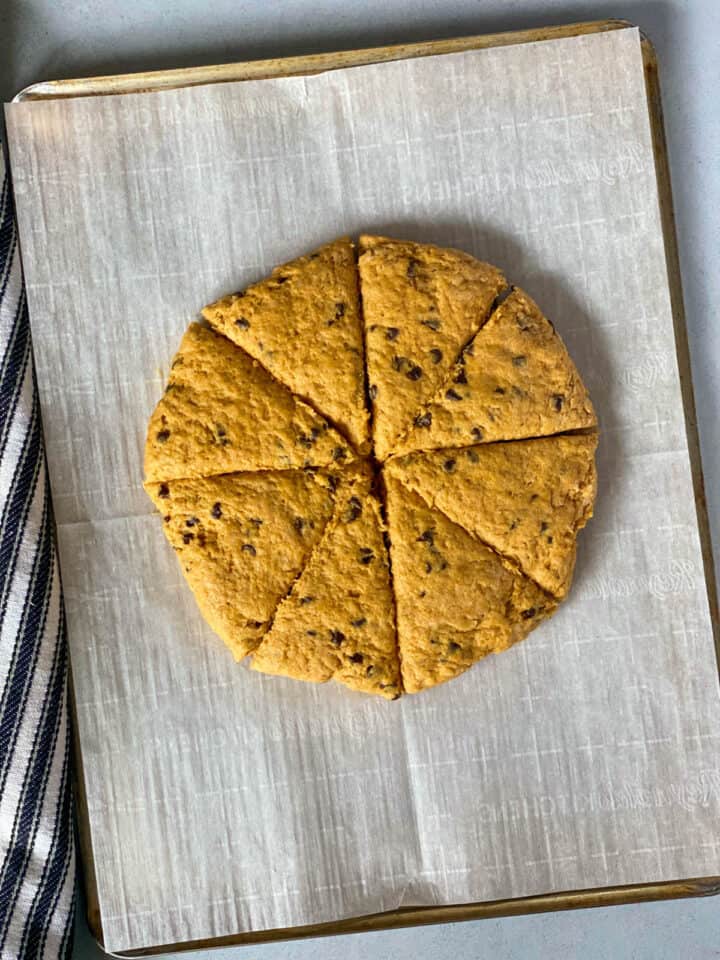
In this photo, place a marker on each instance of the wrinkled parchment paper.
(220, 800)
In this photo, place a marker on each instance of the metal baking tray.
(304, 65)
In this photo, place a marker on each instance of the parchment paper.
(221, 800)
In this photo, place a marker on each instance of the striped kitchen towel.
(37, 854)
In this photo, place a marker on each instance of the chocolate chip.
(339, 310)
(192, 522)
(423, 420)
(354, 510)
(216, 511)
(356, 658)
(249, 548)
(500, 391)
(427, 536)
(453, 647)
(549, 539)
(299, 524)
(452, 394)
(399, 362)
(449, 466)
(423, 593)
(428, 567)
(373, 391)
(164, 491)
(256, 521)
(411, 271)
(187, 537)
(366, 556)
(534, 497)
(519, 361)
(543, 526)
(336, 637)
(360, 622)
(166, 518)
(433, 323)
(242, 323)
(391, 333)
(305, 441)
(311, 633)
(513, 525)
(557, 402)
(529, 613)
(460, 376)
(339, 453)
(414, 373)
(162, 436)
(369, 670)
(477, 433)
(282, 279)
(221, 435)
(472, 456)
(255, 623)
(305, 600)
(436, 355)
(333, 483)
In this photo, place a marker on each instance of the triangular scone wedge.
(222, 412)
(527, 499)
(421, 305)
(303, 324)
(456, 599)
(338, 623)
(514, 380)
(241, 539)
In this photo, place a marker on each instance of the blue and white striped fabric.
(37, 855)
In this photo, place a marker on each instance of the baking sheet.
(222, 801)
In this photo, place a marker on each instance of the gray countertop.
(48, 39)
